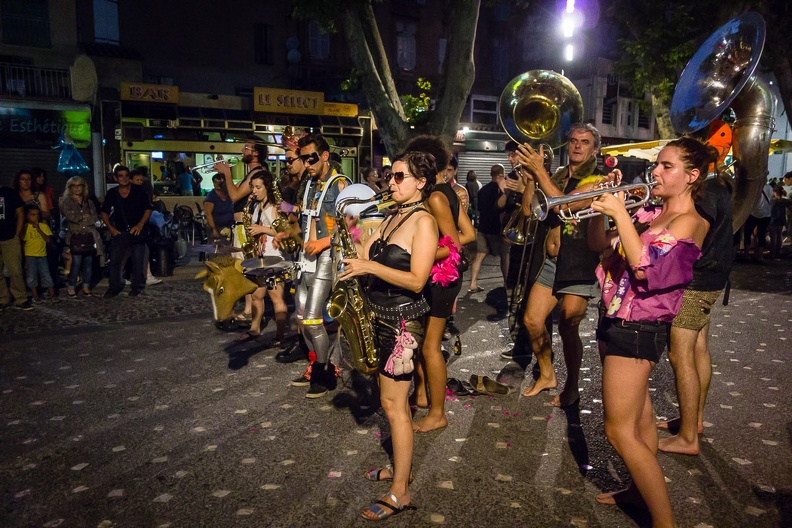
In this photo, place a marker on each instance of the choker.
(410, 205)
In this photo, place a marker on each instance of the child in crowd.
(778, 211)
(36, 235)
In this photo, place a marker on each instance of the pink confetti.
(377, 435)
(505, 413)
(517, 415)
(468, 406)
(549, 416)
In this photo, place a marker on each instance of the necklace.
(405, 207)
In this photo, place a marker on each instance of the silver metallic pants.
(313, 291)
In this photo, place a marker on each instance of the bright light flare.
(569, 52)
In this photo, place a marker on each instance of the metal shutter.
(14, 159)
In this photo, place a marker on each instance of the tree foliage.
(356, 20)
(662, 35)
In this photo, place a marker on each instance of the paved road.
(138, 412)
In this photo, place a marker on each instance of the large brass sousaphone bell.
(720, 75)
(539, 107)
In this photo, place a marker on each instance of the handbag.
(82, 244)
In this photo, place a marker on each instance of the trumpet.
(208, 168)
(636, 195)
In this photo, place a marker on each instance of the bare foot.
(430, 423)
(673, 426)
(539, 386)
(677, 444)
(625, 497)
(566, 398)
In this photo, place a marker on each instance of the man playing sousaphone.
(562, 265)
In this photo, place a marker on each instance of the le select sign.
(276, 101)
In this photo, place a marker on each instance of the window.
(629, 113)
(319, 41)
(441, 53)
(26, 23)
(608, 110)
(484, 109)
(262, 43)
(106, 21)
(643, 119)
(405, 45)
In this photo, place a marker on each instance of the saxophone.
(281, 224)
(249, 244)
(348, 304)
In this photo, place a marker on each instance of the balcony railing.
(34, 83)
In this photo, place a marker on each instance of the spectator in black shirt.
(126, 211)
(491, 203)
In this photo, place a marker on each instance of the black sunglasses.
(397, 177)
(289, 161)
(310, 159)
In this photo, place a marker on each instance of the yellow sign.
(341, 109)
(150, 93)
(288, 101)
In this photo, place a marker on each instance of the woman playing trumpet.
(642, 276)
(400, 255)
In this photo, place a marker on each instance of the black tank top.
(394, 256)
(453, 200)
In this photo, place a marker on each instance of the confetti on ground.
(334, 474)
(80, 467)
(270, 486)
(742, 461)
(437, 518)
(245, 511)
(221, 493)
(116, 493)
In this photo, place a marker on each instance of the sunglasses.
(309, 159)
(289, 161)
(397, 177)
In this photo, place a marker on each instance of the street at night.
(138, 412)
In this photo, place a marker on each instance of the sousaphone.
(722, 74)
(537, 107)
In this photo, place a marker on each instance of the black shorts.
(633, 339)
(441, 298)
(385, 339)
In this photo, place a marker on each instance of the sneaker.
(152, 281)
(511, 354)
(316, 391)
(38, 300)
(111, 293)
(27, 305)
(135, 293)
(304, 379)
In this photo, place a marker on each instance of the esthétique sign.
(32, 127)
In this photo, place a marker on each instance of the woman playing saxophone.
(400, 256)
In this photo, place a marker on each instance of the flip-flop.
(247, 336)
(477, 289)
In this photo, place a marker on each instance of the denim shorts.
(37, 272)
(633, 339)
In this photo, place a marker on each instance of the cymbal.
(263, 262)
(221, 249)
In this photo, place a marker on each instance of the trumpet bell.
(540, 106)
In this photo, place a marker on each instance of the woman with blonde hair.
(82, 237)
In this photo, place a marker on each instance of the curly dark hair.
(267, 177)
(422, 165)
(432, 145)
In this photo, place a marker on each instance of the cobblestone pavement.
(138, 412)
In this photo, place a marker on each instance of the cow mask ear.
(238, 266)
(202, 274)
(213, 267)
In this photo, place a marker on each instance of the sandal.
(244, 317)
(248, 336)
(72, 294)
(381, 514)
(87, 293)
(375, 475)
